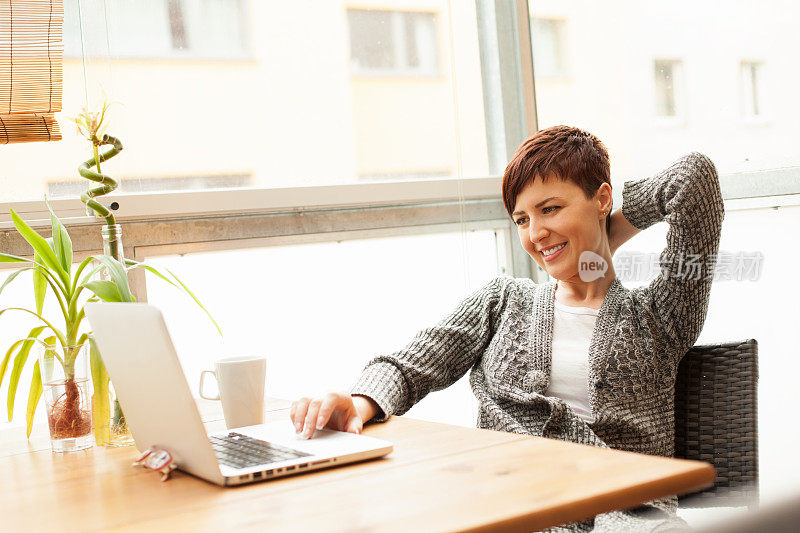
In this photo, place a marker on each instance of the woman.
(582, 358)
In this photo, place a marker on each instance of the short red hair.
(563, 152)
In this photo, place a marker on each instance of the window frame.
(216, 202)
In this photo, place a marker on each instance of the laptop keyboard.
(240, 451)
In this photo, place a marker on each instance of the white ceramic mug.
(241, 388)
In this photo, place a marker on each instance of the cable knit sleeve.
(687, 195)
(437, 357)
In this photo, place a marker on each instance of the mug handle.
(202, 379)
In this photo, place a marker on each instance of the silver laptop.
(160, 410)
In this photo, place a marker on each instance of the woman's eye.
(520, 221)
(553, 207)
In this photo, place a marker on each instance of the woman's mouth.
(552, 253)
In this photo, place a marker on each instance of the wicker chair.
(715, 420)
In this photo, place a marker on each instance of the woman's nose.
(537, 232)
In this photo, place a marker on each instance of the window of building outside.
(548, 38)
(192, 29)
(752, 91)
(394, 43)
(668, 79)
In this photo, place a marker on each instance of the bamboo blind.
(31, 52)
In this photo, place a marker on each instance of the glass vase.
(118, 433)
(112, 242)
(67, 395)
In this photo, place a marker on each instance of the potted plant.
(52, 269)
(69, 417)
(64, 346)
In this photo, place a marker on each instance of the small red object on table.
(158, 460)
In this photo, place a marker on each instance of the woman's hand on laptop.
(335, 410)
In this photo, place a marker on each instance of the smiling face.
(556, 223)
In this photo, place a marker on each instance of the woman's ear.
(604, 199)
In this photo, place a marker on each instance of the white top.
(572, 334)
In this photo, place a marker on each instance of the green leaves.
(101, 400)
(7, 358)
(62, 244)
(39, 285)
(33, 398)
(118, 276)
(105, 290)
(19, 362)
(34, 333)
(8, 258)
(41, 247)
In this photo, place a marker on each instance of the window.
(197, 29)
(668, 79)
(752, 90)
(396, 43)
(549, 47)
(292, 115)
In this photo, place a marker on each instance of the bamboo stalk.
(108, 183)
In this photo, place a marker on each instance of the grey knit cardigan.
(503, 334)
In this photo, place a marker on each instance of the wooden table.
(439, 477)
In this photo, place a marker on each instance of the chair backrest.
(716, 420)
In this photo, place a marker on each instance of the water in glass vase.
(66, 391)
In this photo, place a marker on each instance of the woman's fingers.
(330, 404)
(354, 425)
(334, 410)
(311, 418)
(298, 413)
